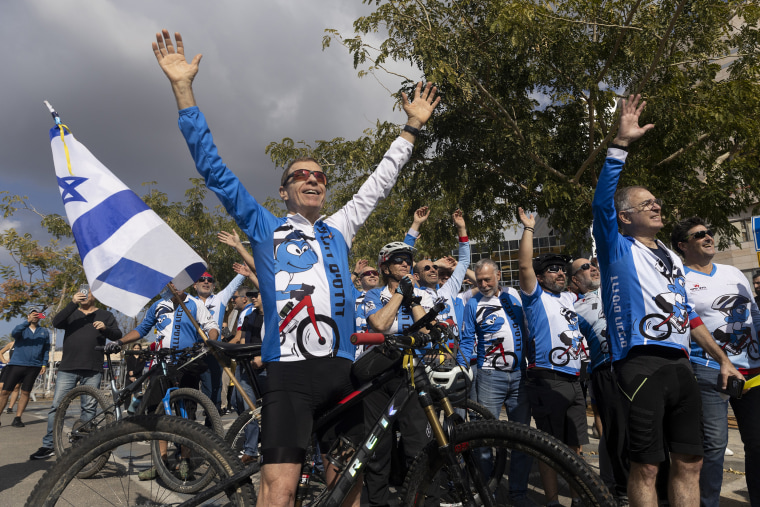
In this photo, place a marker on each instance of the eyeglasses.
(370, 272)
(252, 294)
(700, 234)
(399, 259)
(646, 205)
(555, 268)
(304, 174)
(209, 279)
(429, 267)
(583, 267)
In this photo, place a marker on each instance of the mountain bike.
(449, 470)
(84, 409)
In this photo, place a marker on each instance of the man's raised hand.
(527, 219)
(172, 61)
(229, 238)
(420, 109)
(629, 130)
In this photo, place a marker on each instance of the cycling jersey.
(593, 326)
(644, 298)
(173, 328)
(247, 309)
(555, 341)
(216, 303)
(498, 323)
(377, 298)
(723, 300)
(310, 311)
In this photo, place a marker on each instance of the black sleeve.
(112, 331)
(62, 317)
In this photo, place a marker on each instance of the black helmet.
(545, 260)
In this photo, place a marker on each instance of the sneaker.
(17, 423)
(729, 452)
(42, 453)
(183, 469)
(148, 475)
(248, 459)
(9, 410)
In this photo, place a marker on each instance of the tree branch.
(682, 150)
(661, 47)
(618, 42)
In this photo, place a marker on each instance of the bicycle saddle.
(236, 350)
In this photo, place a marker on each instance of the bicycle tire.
(644, 327)
(473, 408)
(427, 482)
(556, 355)
(68, 426)
(235, 436)
(168, 474)
(123, 440)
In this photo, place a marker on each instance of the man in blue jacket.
(29, 359)
(650, 322)
(302, 265)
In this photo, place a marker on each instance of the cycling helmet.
(545, 260)
(452, 378)
(395, 248)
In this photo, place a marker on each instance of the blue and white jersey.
(723, 300)
(555, 343)
(645, 300)
(377, 298)
(450, 290)
(173, 328)
(593, 326)
(303, 269)
(497, 324)
(217, 303)
(245, 312)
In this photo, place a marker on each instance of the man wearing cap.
(650, 325)
(555, 351)
(722, 297)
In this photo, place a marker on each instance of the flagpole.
(226, 368)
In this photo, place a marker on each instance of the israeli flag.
(129, 254)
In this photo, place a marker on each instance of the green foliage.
(529, 89)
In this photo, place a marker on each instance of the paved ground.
(18, 474)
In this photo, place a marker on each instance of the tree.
(529, 89)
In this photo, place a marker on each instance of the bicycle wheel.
(559, 356)
(474, 411)
(235, 436)
(183, 471)
(117, 483)
(429, 482)
(655, 327)
(82, 410)
(311, 338)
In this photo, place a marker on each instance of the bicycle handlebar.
(367, 338)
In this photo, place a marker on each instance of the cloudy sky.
(263, 77)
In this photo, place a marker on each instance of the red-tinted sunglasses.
(304, 174)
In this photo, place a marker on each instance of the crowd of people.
(659, 338)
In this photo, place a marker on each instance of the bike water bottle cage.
(341, 452)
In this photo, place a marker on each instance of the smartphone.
(734, 387)
(84, 289)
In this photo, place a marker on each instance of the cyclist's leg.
(518, 410)
(252, 430)
(378, 469)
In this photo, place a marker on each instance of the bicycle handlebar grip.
(100, 348)
(367, 338)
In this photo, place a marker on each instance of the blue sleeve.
(18, 331)
(373, 297)
(467, 343)
(603, 206)
(149, 321)
(411, 237)
(46, 348)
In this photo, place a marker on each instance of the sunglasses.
(429, 267)
(304, 174)
(646, 205)
(700, 234)
(252, 294)
(584, 267)
(235, 297)
(370, 272)
(208, 279)
(555, 268)
(399, 259)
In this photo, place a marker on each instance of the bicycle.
(85, 409)
(449, 468)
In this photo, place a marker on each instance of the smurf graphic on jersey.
(735, 334)
(673, 305)
(316, 335)
(572, 337)
(491, 321)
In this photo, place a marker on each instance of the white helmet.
(395, 248)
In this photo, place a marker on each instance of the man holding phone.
(85, 327)
(722, 297)
(29, 359)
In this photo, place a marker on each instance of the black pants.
(612, 412)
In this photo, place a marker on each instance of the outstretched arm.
(419, 110)
(249, 269)
(180, 73)
(420, 217)
(525, 253)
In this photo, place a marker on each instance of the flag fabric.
(128, 253)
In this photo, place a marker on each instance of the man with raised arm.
(723, 299)
(650, 323)
(555, 351)
(302, 264)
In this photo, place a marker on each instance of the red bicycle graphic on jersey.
(312, 332)
(496, 352)
(560, 356)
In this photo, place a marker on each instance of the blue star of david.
(68, 184)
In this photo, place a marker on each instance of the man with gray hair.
(494, 318)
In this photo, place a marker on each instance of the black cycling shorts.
(559, 409)
(296, 391)
(24, 375)
(663, 404)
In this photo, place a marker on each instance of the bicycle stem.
(226, 368)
